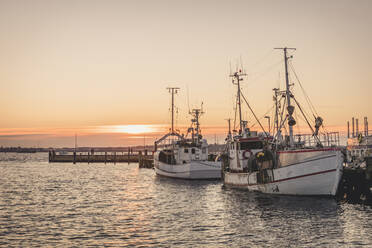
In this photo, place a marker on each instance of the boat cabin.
(184, 151)
(246, 150)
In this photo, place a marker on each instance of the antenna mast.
(290, 108)
(238, 76)
(196, 113)
(173, 91)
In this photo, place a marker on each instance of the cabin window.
(186, 150)
(193, 150)
(251, 145)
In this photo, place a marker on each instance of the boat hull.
(191, 170)
(314, 173)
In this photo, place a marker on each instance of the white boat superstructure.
(186, 158)
(282, 165)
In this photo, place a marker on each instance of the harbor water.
(120, 205)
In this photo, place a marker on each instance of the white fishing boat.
(290, 165)
(183, 157)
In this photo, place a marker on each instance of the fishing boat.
(282, 164)
(182, 157)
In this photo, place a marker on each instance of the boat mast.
(276, 120)
(238, 76)
(173, 91)
(290, 108)
(196, 113)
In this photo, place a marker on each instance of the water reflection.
(44, 204)
(283, 220)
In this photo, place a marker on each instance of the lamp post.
(268, 120)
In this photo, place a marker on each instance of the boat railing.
(326, 139)
(168, 140)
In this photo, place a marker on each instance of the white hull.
(191, 170)
(311, 173)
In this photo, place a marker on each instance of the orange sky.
(71, 67)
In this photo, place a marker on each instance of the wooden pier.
(146, 162)
(142, 157)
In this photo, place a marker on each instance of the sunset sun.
(134, 129)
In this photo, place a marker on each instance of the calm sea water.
(66, 205)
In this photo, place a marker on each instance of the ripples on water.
(44, 204)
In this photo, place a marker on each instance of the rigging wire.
(297, 125)
(314, 112)
(267, 70)
(301, 117)
(306, 114)
(253, 114)
(283, 108)
(273, 114)
(312, 130)
(236, 108)
(270, 51)
(307, 98)
(263, 116)
(324, 129)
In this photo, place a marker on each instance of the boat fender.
(247, 153)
